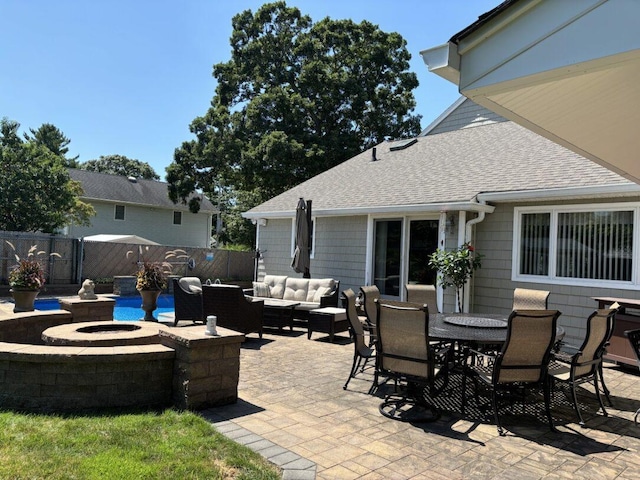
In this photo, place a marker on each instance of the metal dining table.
(472, 328)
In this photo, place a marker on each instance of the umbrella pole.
(306, 273)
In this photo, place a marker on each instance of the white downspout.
(467, 238)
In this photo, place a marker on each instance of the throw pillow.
(261, 289)
(321, 292)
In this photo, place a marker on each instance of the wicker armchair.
(187, 299)
(233, 309)
(422, 294)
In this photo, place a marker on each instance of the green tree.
(36, 191)
(51, 137)
(295, 99)
(121, 165)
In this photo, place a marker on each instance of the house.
(134, 206)
(542, 216)
(566, 70)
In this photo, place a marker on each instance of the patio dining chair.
(423, 294)
(527, 299)
(404, 354)
(521, 363)
(362, 350)
(634, 339)
(577, 365)
(370, 294)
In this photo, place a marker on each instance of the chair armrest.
(248, 292)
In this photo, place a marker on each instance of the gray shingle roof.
(117, 188)
(447, 167)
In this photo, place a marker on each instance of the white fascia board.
(625, 189)
(395, 209)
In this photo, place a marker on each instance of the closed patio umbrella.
(301, 259)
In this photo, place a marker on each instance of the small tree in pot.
(455, 268)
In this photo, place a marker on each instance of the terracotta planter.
(149, 303)
(24, 299)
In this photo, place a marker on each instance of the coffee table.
(278, 313)
(329, 320)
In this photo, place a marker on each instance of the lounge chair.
(233, 309)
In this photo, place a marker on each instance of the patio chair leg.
(494, 402)
(575, 404)
(354, 367)
(604, 387)
(547, 403)
(595, 385)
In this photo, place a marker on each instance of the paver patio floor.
(292, 400)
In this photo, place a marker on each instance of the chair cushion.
(276, 285)
(261, 289)
(190, 284)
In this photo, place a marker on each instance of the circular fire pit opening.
(102, 334)
(108, 328)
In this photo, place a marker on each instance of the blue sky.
(128, 76)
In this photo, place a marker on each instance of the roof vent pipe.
(373, 154)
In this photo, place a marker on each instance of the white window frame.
(551, 278)
(313, 237)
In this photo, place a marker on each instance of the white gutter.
(624, 189)
(444, 61)
(417, 208)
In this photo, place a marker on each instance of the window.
(119, 212)
(177, 218)
(575, 245)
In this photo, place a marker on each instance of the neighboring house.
(133, 206)
(541, 215)
(567, 70)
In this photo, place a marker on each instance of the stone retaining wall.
(186, 368)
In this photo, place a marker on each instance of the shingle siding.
(468, 114)
(339, 253)
(493, 287)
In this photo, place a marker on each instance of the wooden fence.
(103, 260)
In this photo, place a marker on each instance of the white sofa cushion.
(304, 289)
(276, 285)
(261, 289)
(190, 284)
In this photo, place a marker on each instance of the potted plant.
(26, 278)
(455, 268)
(152, 279)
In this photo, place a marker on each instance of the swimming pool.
(126, 308)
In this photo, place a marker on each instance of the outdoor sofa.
(310, 293)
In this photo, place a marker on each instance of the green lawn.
(137, 445)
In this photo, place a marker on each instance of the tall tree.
(36, 191)
(121, 165)
(295, 99)
(51, 137)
